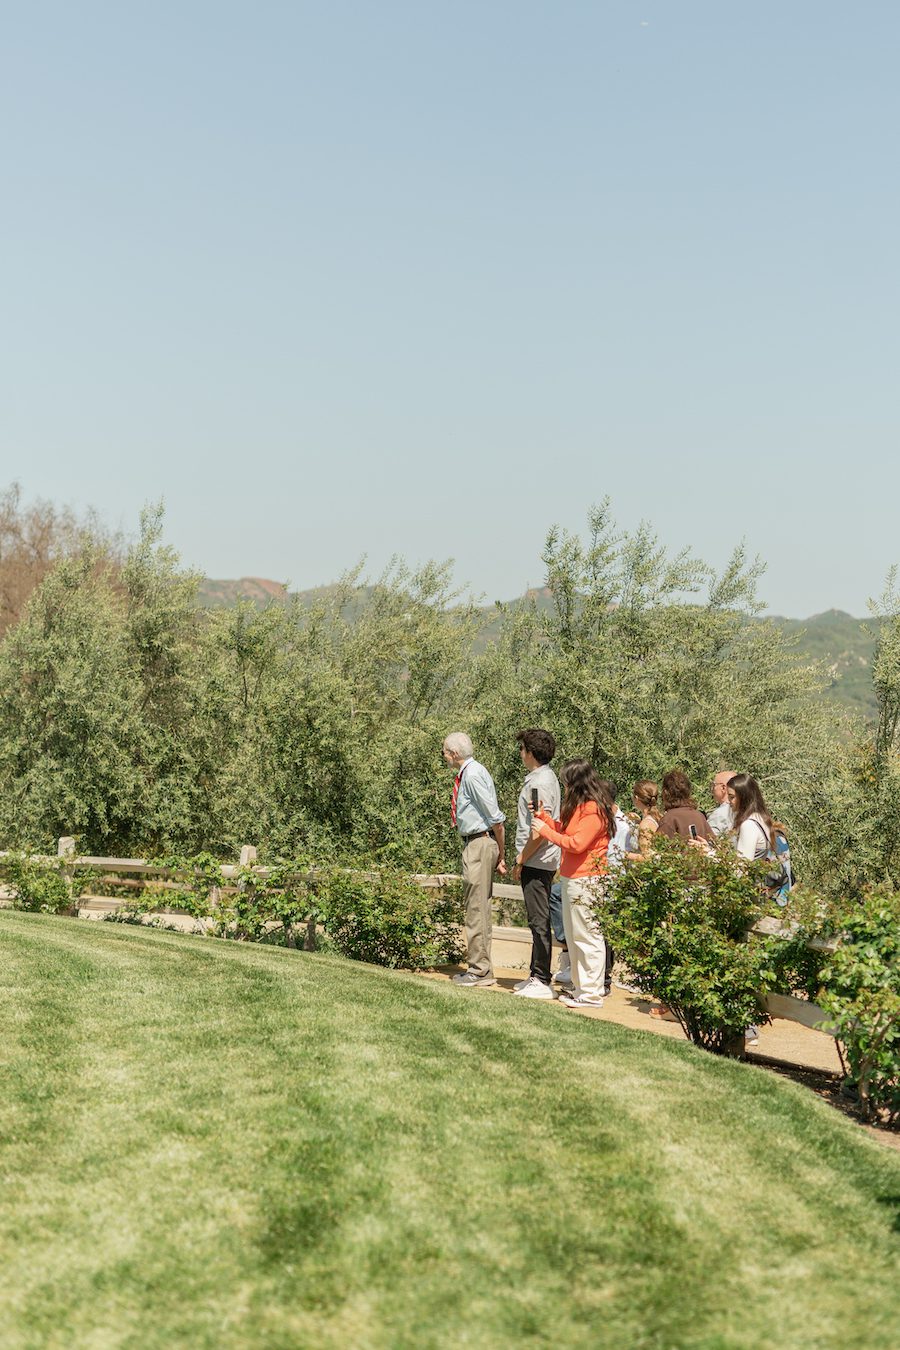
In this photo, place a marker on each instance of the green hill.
(846, 646)
(216, 1145)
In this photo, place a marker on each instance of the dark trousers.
(536, 883)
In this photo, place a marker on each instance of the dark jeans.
(536, 883)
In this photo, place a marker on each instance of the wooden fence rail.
(785, 1006)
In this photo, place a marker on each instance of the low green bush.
(679, 921)
(386, 918)
(861, 992)
(381, 916)
(41, 885)
(275, 904)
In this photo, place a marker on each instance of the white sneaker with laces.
(564, 972)
(534, 988)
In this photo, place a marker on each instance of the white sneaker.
(534, 988)
(579, 1001)
(520, 984)
(564, 972)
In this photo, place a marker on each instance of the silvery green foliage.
(884, 767)
(139, 723)
(642, 662)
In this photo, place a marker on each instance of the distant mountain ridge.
(845, 644)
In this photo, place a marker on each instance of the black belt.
(467, 838)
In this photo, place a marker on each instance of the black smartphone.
(693, 831)
(534, 799)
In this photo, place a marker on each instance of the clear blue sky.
(338, 278)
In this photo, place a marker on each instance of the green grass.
(206, 1144)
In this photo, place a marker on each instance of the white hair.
(458, 743)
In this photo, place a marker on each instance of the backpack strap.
(765, 834)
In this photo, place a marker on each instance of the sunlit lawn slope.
(207, 1144)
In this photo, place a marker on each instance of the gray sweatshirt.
(544, 779)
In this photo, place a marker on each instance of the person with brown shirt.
(681, 817)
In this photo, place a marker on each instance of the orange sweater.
(584, 841)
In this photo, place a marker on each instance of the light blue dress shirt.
(477, 807)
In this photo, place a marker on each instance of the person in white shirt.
(721, 819)
(753, 827)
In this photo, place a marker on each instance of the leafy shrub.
(679, 921)
(862, 995)
(253, 905)
(383, 917)
(41, 885)
(388, 919)
(272, 906)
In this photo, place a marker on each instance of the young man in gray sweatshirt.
(537, 860)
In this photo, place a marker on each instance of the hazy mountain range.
(844, 643)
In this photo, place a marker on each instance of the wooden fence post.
(65, 848)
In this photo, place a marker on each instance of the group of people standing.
(573, 825)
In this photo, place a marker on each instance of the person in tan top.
(645, 794)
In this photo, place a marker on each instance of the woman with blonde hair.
(645, 795)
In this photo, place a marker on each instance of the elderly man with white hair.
(721, 819)
(475, 814)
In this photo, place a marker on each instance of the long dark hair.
(581, 784)
(750, 802)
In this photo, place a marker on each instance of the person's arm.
(525, 852)
(586, 832)
(528, 850)
(499, 831)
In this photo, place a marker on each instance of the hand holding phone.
(693, 831)
(534, 800)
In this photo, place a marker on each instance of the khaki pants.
(587, 949)
(479, 860)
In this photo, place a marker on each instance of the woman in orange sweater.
(583, 832)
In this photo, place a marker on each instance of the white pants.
(587, 948)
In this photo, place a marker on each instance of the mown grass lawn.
(210, 1144)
